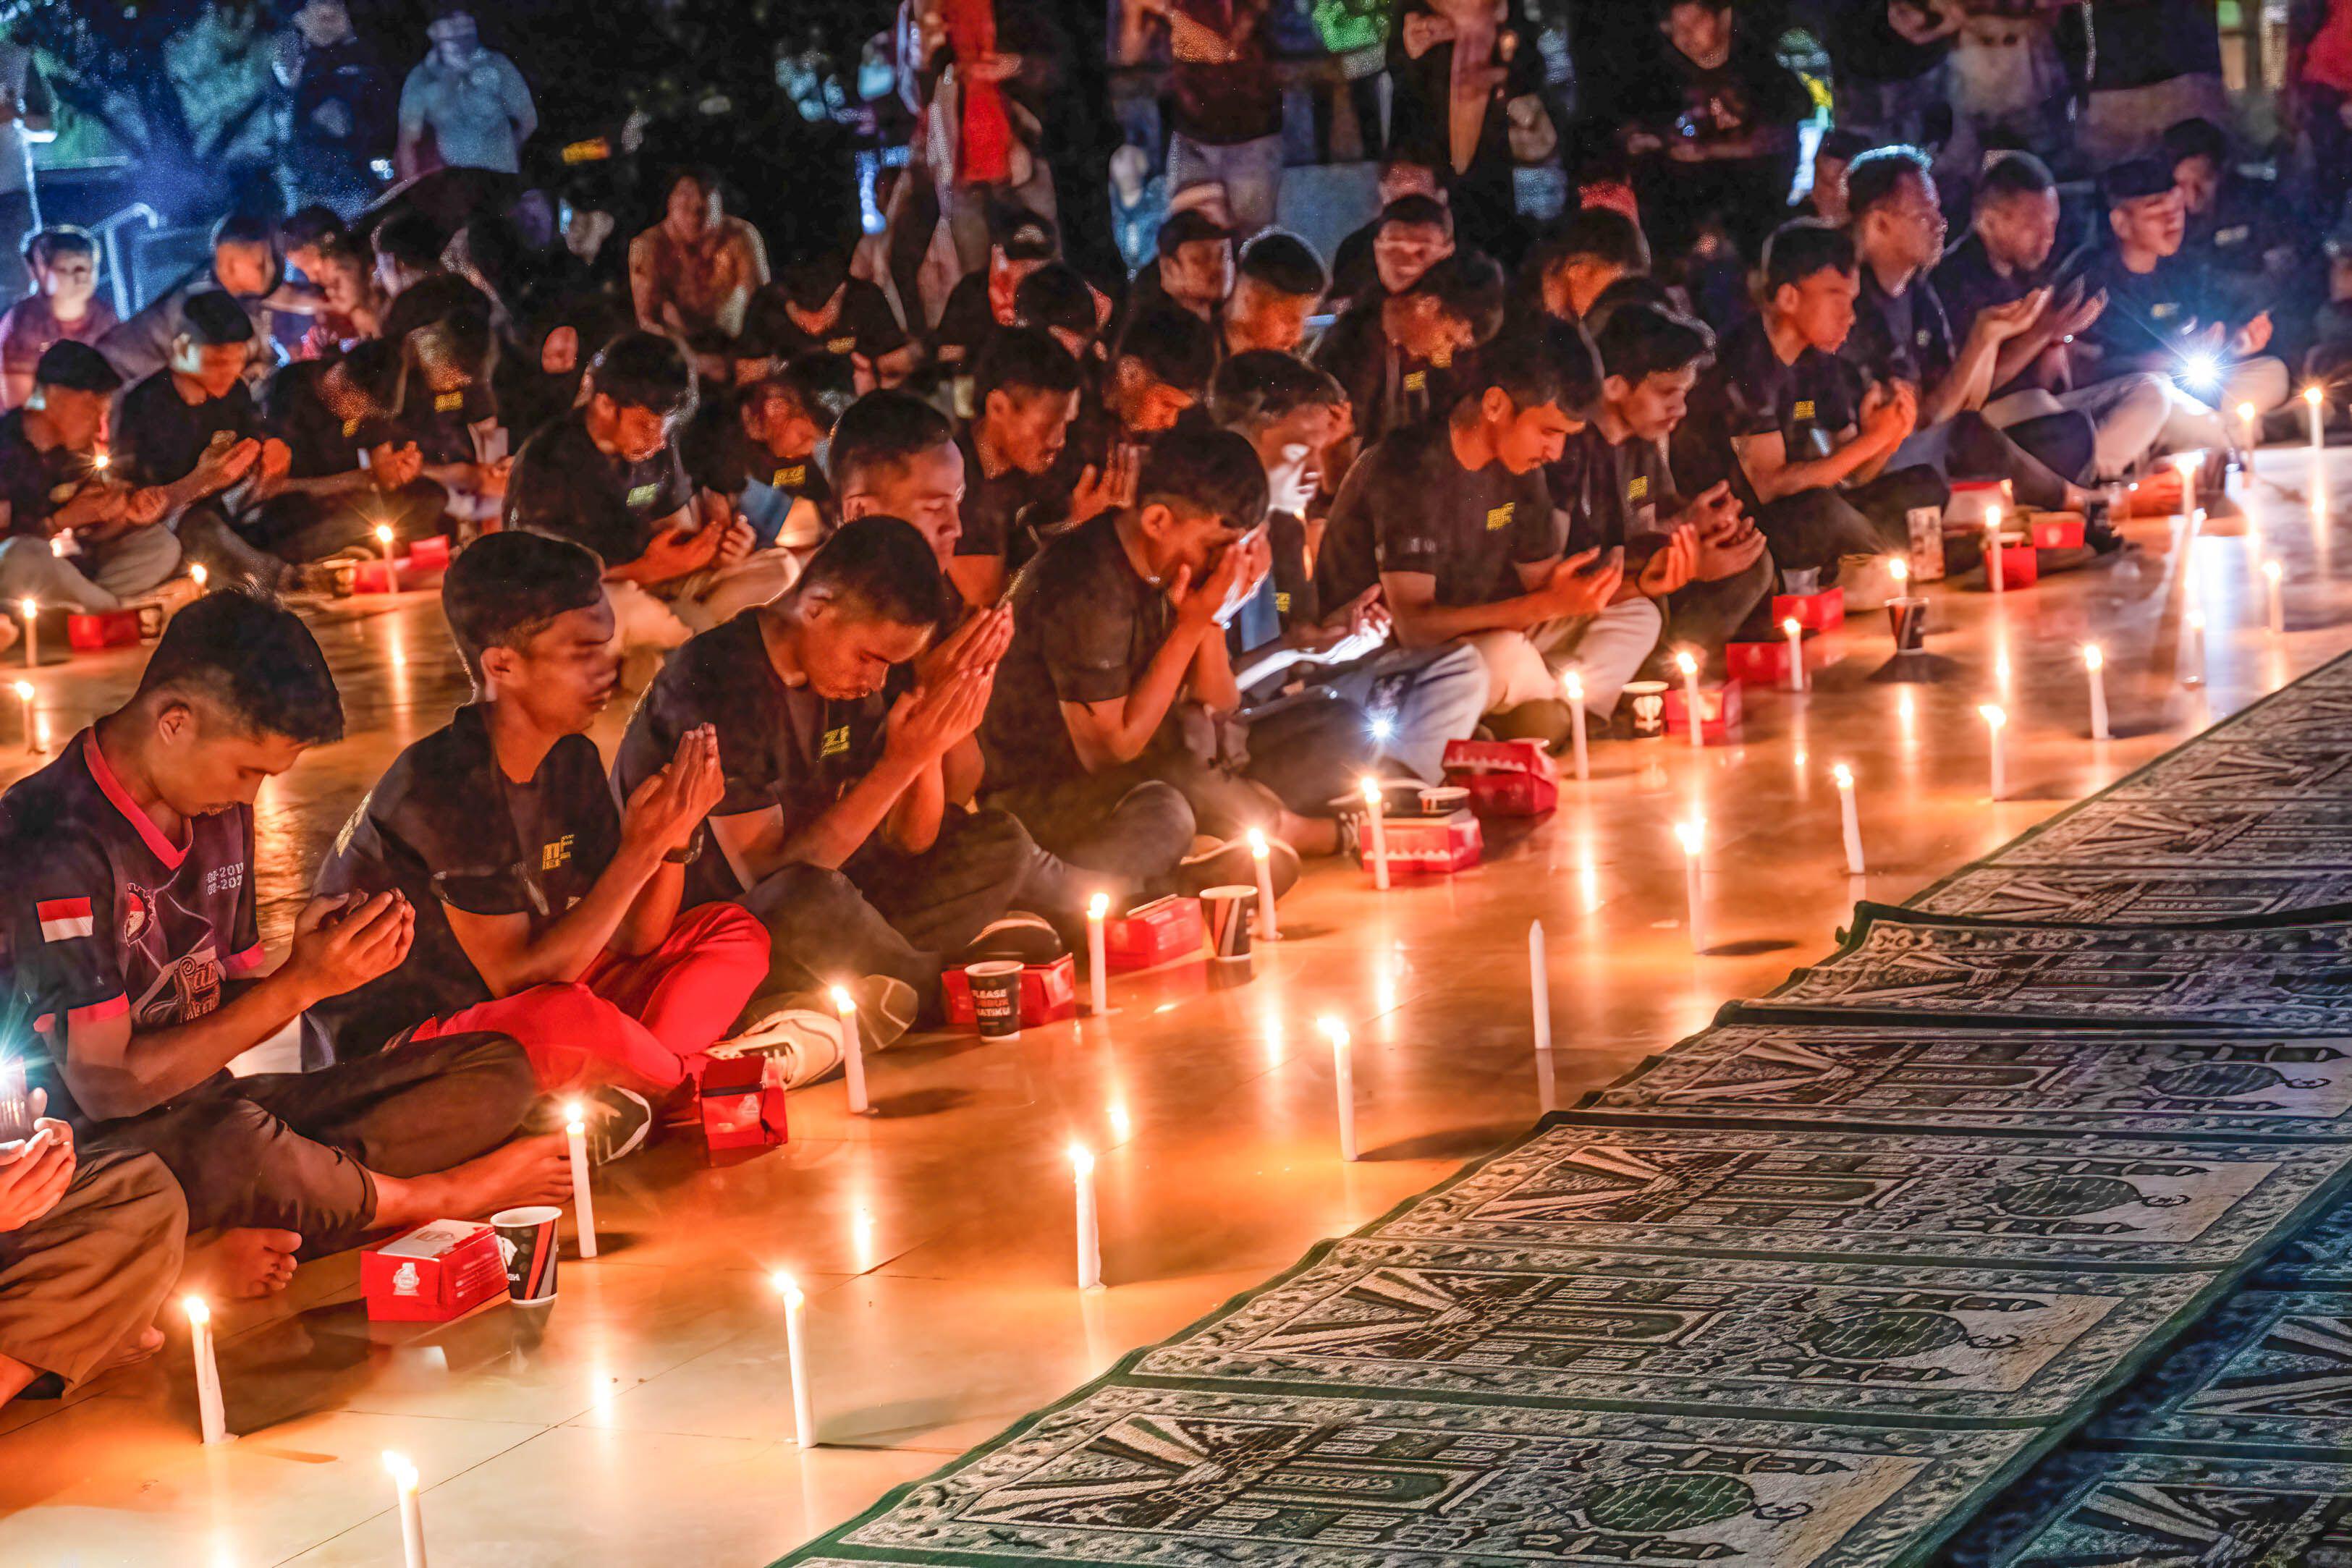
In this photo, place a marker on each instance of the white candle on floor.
(1343, 1077)
(797, 1367)
(1082, 1174)
(2189, 464)
(1376, 821)
(412, 1509)
(2096, 664)
(30, 608)
(1540, 984)
(1097, 959)
(1689, 666)
(1994, 718)
(1993, 574)
(1692, 836)
(391, 569)
(212, 1418)
(1795, 634)
(25, 708)
(1571, 687)
(1262, 855)
(2192, 661)
(1848, 819)
(2316, 401)
(584, 1198)
(853, 1051)
(2273, 576)
(2248, 432)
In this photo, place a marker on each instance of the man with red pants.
(540, 905)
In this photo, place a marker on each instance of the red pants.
(641, 1023)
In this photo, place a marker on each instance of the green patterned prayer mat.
(2266, 1375)
(2089, 1510)
(2319, 1257)
(2165, 1083)
(1900, 965)
(2130, 895)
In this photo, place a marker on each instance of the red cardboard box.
(742, 1103)
(1718, 710)
(2057, 530)
(440, 1271)
(1768, 662)
(1049, 992)
(2021, 563)
(1150, 934)
(109, 629)
(1505, 778)
(428, 554)
(1428, 845)
(1822, 612)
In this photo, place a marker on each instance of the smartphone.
(16, 1104)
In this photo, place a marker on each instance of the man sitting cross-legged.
(542, 911)
(129, 909)
(835, 826)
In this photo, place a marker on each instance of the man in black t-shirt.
(895, 455)
(134, 949)
(982, 302)
(608, 476)
(1193, 271)
(1395, 355)
(59, 487)
(1889, 56)
(1567, 269)
(1278, 285)
(1354, 272)
(1023, 394)
(544, 912)
(815, 306)
(2239, 234)
(1711, 119)
(837, 827)
(753, 451)
(1156, 380)
(349, 467)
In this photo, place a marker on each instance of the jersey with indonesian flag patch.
(104, 915)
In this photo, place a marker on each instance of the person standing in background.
(2154, 63)
(1227, 125)
(1469, 82)
(26, 118)
(2318, 100)
(340, 120)
(470, 100)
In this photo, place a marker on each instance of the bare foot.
(239, 1265)
(526, 1171)
(136, 1349)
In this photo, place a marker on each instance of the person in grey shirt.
(471, 99)
(247, 268)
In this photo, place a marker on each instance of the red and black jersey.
(104, 914)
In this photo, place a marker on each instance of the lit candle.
(2187, 464)
(1378, 822)
(30, 608)
(1848, 819)
(412, 1509)
(1264, 858)
(2316, 401)
(1795, 632)
(1098, 963)
(2096, 664)
(1082, 1172)
(1994, 718)
(1572, 686)
(211, 1418)
(2193, 660)
(199, 575)
(853, 1051)
(1343, 1076)
(2249, 435)
(391, 567)
(583, 1200)
(1689, 666)
(1692, 836)
(1540, 984)
(25, 706)
(1898, 570)
(2273, 574)
(101, 462)
(796, 1366)
(1992, 549)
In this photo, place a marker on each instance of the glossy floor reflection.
(643, 1419)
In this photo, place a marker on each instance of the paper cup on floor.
(995, 997)
(526, 1243)
(1225, 911)
(1909, 618)
(1443, 800)
(1646, 701)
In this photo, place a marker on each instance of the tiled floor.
(643, 1418)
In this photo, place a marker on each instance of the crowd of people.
(937, 626)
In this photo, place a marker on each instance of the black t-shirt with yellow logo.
(564, 485)
(1753, 392)
(1410, 505)
(778, 745)
(1625, 493)
(446, 827)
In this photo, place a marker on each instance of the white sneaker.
(802, 1045)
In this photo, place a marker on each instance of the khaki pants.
(89, 1274)
(1605, 649)
(664, 615)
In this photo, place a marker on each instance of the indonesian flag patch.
(63, 919)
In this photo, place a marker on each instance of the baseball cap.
(76, 367)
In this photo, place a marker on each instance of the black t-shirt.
(2139, 43)
(1901, 337)
(967, 320)
(448, 829)
(1084, 628)
(1409, 505)
(863, 325)
(720, 457)
(34, 483)
(442, 424)
(2246, 224)
(1969, 284)
(160, 435)
(2147, 312)
(104, 915)
(779, 744)
(1387, 387)
(321, 442)
(1751, 391)
(1001, 514)
(1676, 98)
(1625, 490)
(564, 486)
(1865, 45)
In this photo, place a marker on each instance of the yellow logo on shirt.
(643, 495)
(1805, 408)
(446, 402)
(1500, 517)
(351, 428)
(791, 477)
(835, 744)
(1282, 604)
(1638, 487)
(1416, 380)
(555, 855)
(839, 345)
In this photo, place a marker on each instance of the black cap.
(76, 367)
(1023, 235)
(1188, 225)
(215, 320)
(2137, 177)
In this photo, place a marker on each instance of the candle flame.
(1686, 663)
(1992, 518)
(2187, 463)
(1258, 844)
(1572, 683)
(2273, 570)
(100, 461)
(1899, 569)
(1992, 715)
(25, 691)
(1333, 1030)
(404, 1471)
(199, 1311)
(2312, 394)
(31, 607)
(2092, 658)
(2246, 412)
(1842, 774)
(842, 1002)
(1082, 1160)
(2196, 620)
(1691, 835)
(1371, 791)
(1098, 906)
(1790, 626)
(787, 1287)
(200, 575)
(384, 533)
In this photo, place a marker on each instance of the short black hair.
(1259, 386)
(1407, 157)
(254, 659)
(882, 431)
(310, 225)
(443, 296)
(812, 277)
(1205, 471)
(1417, 209)
(1469, 287)
(797, 383)
(1593, 234)
(1281, 261)
(1542, 362)
(1640, 340)
(886, 565)
(1021, 359)
(641, 370)
(1056, 295)
(413, 241)
(1878, 174)
(2010, 175)
(246, 228)
(827, 383)
(59, 239)
(215, 320)
(507, 587)
(706, 180)
(1799, 250)
(1640, 290)
(1843, 145)
(2196, 139)
(1174, 347)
